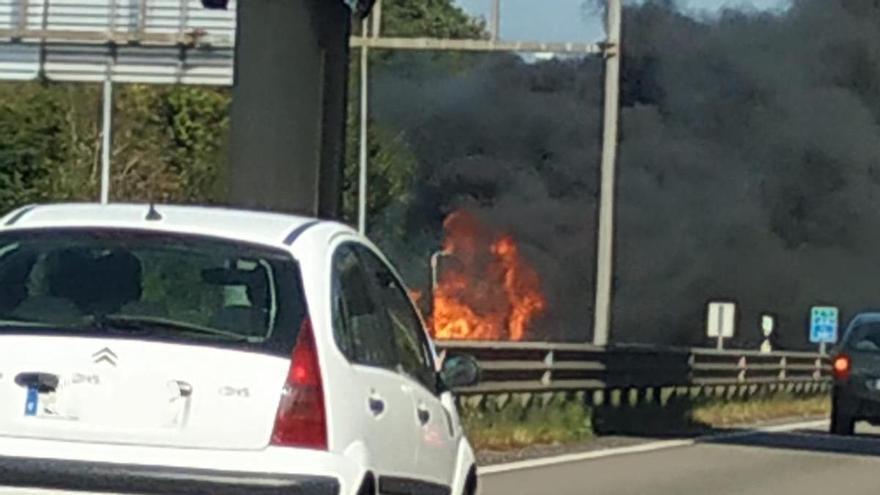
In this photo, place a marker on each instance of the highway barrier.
(539, 367)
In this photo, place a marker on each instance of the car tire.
(470, 484)
(368, 486)
(842, 421)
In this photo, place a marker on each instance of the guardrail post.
(743, 366)
(783, 363)
(547, 377)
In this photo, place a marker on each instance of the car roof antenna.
(153, 215)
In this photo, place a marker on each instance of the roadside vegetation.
(517, 422)
(756, 410)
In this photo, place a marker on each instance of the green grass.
(720, 413)
(515, 424)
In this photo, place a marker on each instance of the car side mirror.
(460, 370)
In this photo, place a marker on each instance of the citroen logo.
(105, 355)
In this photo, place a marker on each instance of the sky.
(570, 20)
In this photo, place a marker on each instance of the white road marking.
(641, 448)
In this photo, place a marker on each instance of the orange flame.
(486, 291)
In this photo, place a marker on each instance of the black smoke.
(749, 167)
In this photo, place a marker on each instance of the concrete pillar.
(289, 106)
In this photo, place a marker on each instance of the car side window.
(360, 325)
(409, 335)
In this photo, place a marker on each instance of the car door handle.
(376, 405)
(423, 414)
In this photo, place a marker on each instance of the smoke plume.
(749, 167)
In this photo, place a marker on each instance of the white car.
(199, 350)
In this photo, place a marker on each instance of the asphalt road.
(798, 462)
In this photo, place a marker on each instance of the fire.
(485, 291)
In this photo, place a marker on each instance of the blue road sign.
(823, 325)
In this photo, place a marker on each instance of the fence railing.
(513, 367)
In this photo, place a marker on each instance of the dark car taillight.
(841, 367)
(301, 420)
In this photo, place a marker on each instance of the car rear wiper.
(152, 323)
(29, 324)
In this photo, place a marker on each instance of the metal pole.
(435, 265)
(362, 161)
(376, 15)
(22, 24)
(106, 138)
(496, 20)
(605, 247)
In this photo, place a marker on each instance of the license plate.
(41, 404)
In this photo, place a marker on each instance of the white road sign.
(721, 319)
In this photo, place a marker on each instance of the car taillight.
(301, 420)
(841, 367)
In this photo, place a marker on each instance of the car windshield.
(132, 282)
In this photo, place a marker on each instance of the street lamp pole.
(605, 242)
(364, 120)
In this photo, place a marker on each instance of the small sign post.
(767, 325)
(823, 326)
(720, 321)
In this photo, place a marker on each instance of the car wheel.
(368, 487)
(842, 421)
(470, 485)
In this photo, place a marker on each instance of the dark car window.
(409, 335)
(360, 325)
(864, 337)
(161, 285)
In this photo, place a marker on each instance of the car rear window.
(864, 337)
(149, 285)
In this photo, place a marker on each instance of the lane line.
(641, 448)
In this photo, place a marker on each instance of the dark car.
(856, 369)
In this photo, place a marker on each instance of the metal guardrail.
(514, 367)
